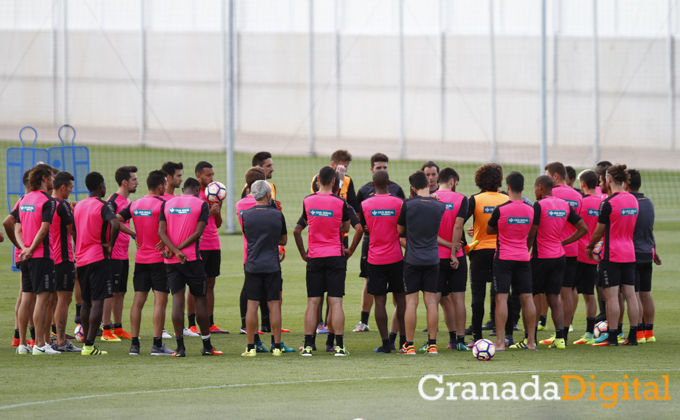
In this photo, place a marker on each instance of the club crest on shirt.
(629, 212)
(518, 220)
(180, 210)
(593, 212)
(142, 213)
(27, 208)
(557, 213)
(383, 213)
(489, 209)
(321, 213)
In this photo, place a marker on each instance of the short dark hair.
(604, 164)
(618, 173)
(155, 179)
(326, 176)
(379, 157)
(54, 171)
(341, 156)
(123, 174)
(602, 173)
(93, 180)
(430, 164)
(191, 183)
(571, 172)
(256, 173)
(446, 174)
(418, 180)
(200, 166)
(61, 179)
(589, 178)
(634, 180)
(489, 177)
(515, 181)
(556, 168)
(259, 158)
(546, 181)
(171, 167)
(24, 179)
(37, 173)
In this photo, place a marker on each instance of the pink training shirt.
(92, 217)
(248, 202)
(36, 208)
(513, 220)
(619, 214)
(15, 213)
(456, 206)
(61, 242)
(145, 213)
(381, 212)
(551, 214)
(122, 245)
(574, 198)
(211, 239)
(590, 212)
(324, 213)
(182, 214)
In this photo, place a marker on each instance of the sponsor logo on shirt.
(518, 220)
(489, 209)
(321, 213)
(624, 212)
(593, 212)
(142, 213)
(28, 208)
(572, 203)
(557, 213)
(180, 210)
(383, 213)
(449, 206)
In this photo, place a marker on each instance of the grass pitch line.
(314, 381)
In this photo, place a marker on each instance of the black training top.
(262, 228)
(421, 216)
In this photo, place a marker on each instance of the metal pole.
(402, 139)
(55, 55)
(671, 75)
(310, 136)
(596, 88)
(544, 114)
(142, 75)
(64, 46)
(556, 29)
(338, 79)
(228, 128)
(494, 145)
(442, 69)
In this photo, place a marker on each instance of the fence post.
(544, 113)
(402, 138)
(494, 145)
(227, 30)
(142, 75)
(671, 75)
(64, 45)
(310, 136)
(596, 88)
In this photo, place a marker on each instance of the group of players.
(537, 256)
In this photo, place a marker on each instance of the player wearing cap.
(419, 219)
(264, 229)
(97, 230)
(380, 213)
(616, 227)
(511, 223)
(548, 255)
(181, 223)
(149, 267)
(327, 217)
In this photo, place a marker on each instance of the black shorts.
(150, 276)
(191, 274)
(363, 264)
(211, 262)
(643, 277)
(65, 276)
(326, 275)
(547, 275)
(37, 275)
(421, 277)
(384, 278)
(515, 273)
(258, 285)
(616, 274)
(481, 266)
(569, 272)
(95, 281)
(586, 278)
(450, 280)
(120, 270)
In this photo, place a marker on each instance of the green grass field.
(365, 384)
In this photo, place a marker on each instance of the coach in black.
(420, 218)
(264, 228)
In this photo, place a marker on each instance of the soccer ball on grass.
(483, 349)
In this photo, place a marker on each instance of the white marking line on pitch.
(313, 381)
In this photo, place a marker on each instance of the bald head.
(381, 182)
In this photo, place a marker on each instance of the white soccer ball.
(78, 333)
(215, 192)
(483, 349)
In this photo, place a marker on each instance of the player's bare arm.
(297, 234)
(39, 237)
